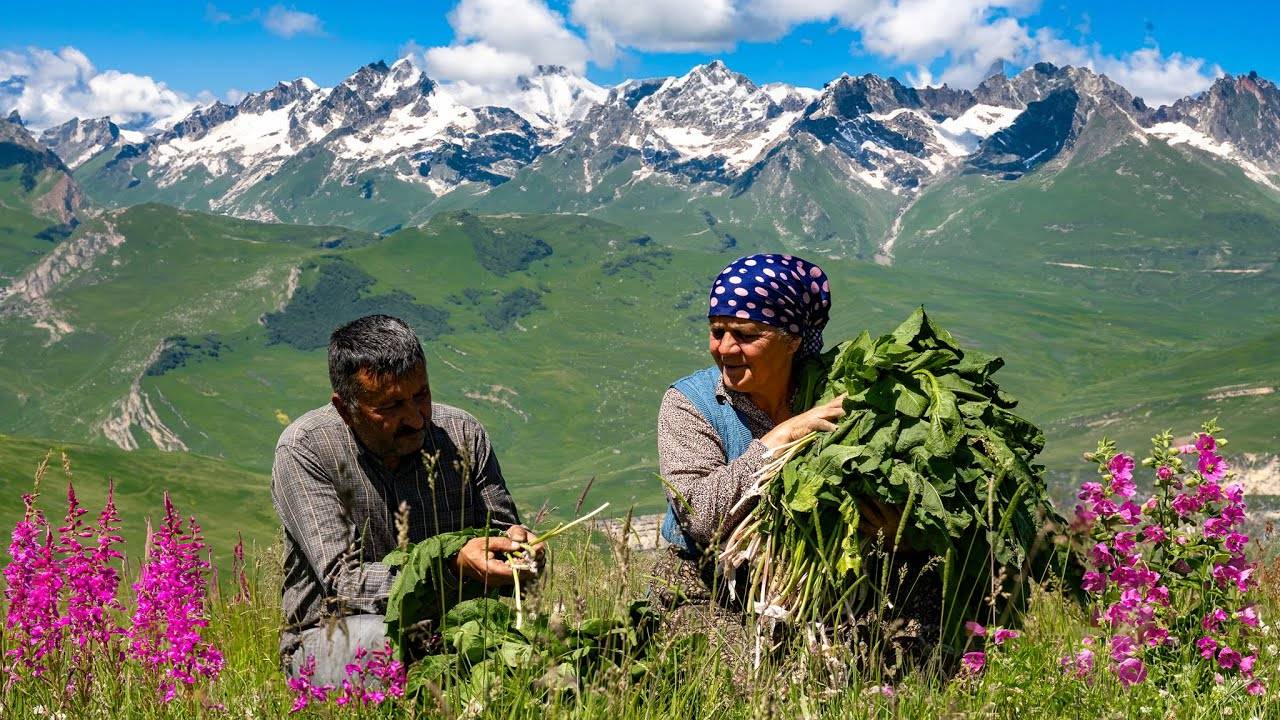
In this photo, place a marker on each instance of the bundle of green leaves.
(928, 431)
(460, 635)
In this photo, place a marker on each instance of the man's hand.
(521, 534)
(478, 560)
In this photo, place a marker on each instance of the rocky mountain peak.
(277, 97)
(14, 118)
(850, 96)
(1240, 112)
(76, 141)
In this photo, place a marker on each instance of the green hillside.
(226, 500)
(560, 332)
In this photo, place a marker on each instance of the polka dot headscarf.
(784, 291)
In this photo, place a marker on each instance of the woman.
(765, 313)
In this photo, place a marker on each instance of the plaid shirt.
(338, 502)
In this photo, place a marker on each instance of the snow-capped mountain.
(390, 137)
(554, 100)
(1238, 118)
(76, 141)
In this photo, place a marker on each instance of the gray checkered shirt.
(332, 494)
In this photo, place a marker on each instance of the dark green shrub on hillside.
(178, 349)
(511, 307)
(502, 253)
(341, 295)
(642, 262)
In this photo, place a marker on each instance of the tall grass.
(587, 577)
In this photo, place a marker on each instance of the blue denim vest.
(700, 389)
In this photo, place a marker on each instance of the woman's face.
(752, 356)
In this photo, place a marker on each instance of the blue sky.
(158, 58)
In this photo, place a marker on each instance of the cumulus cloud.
(496, 41)
(287, 22)
(673, 25)
(1157, 78)
(942, 41)
(48, 88)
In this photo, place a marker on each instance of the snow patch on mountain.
(555, 100)
(1176, 133)
(961, 135)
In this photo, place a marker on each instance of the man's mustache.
(407, 431)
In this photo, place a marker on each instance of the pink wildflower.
(1131, 671)
(1256, 688)
(973, 662)
(1154, 533)
(33, 584)
(1205, 443)
(304, 691)
(1228, 658)
(1094, 582)
(1214, 619)
(170, 610)
(1121, 469)
(975, 629)
(1080, 665)
(1207, 647)
(1248, 616)
(1102, 556)
(1164, 472)
(1212, 467)
(1246, 665)
(1001, 635)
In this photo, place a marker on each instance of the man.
(341, 472)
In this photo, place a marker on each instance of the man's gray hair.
(378, 344)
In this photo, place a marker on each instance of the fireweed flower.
(170, 610)
(91, 579)
(975, 629)
(973, 662)
(1001, 635)
(304, 691)
(33, 585)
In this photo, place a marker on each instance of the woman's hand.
(821, 418)
(874, 516)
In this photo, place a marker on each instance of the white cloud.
(476, 62)
(213, 14)
(951, 41)
(497, 40)
(57, 86)
(1157, 78)
(673, 25)
(287, 22)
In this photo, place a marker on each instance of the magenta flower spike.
(170, 615)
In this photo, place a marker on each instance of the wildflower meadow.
(1173, 620)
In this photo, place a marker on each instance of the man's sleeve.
(488, 481)
(314, 515)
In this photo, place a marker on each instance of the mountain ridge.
(391, 135)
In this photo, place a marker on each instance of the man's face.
(392, 414)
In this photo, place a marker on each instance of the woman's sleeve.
(701, 485)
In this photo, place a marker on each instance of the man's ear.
(341, 406)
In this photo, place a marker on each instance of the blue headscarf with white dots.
(784, 291)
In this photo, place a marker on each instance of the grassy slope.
(177, 273)
(1141, 338)
(19, 246)
(225, 499)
